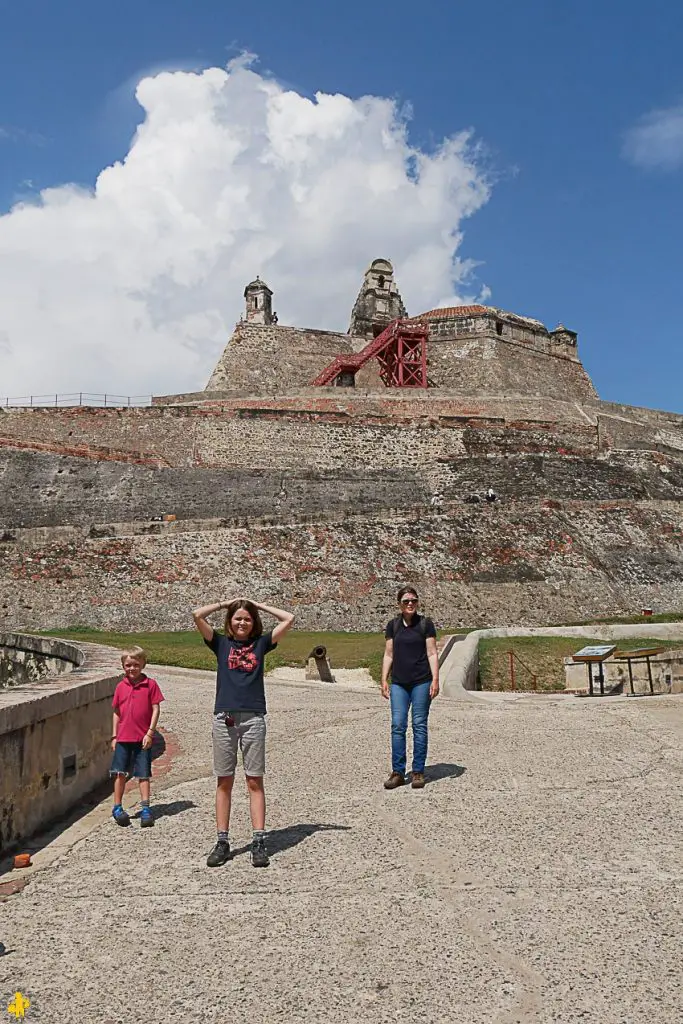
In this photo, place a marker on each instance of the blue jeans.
(401, 699)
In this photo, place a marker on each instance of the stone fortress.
(327, 496)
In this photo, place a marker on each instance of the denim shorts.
(131, 760)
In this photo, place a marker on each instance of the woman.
(239, 713)
(411, 656)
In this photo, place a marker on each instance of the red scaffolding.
(400, 350)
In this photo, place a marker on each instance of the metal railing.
(57, 401)
(514, 657)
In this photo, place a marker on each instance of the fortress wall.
(625, 475)
(157, 436)
(322, 473)
(481, 364)
(38, 489)
(273, 358)
(328, 430)
(626, 432)
(518, 562)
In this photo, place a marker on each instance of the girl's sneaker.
(146, 817)
(259, 854)
(120, 816)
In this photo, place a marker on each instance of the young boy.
(136, 712)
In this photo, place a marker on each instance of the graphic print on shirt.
(242, 659)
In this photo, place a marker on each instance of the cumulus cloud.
(655, 142)
(133, 287)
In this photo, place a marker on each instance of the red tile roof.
(450, 311)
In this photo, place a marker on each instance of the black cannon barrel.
(318, 652)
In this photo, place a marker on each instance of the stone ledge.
(94, 680)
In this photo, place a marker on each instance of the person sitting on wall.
(240, 713)
(491, 495)
(410, 655)
(136, 704)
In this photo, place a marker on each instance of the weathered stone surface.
(26, 659)
(516, 561)
(54, 737)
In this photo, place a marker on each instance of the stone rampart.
(514, 562)
(54, 738)
(479, 364)
(272, 358)
(482, 354)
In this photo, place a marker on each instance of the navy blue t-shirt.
(410, 664)
(239, 680)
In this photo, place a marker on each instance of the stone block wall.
(273, 358)
(515, 562)
(63, 490)
(479, 364)
(25, 659)
(54, 743)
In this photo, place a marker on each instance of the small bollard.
(318, 665)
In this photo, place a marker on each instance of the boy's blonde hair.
(135, 652)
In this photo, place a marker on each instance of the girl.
(239, 713)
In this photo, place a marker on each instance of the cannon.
(318, 665)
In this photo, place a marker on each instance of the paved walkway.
(537, 878)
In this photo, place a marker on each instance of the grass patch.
(543, 657)
(188, 650)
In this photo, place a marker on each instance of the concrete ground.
(537, 877)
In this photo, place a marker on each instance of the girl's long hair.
(234, 606)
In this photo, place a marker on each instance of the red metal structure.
(400, 350)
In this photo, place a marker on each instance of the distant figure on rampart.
(411, 657)
(239, 718)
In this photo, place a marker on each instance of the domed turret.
(259, 302)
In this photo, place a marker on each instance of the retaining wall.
(460, 670)
(517, 562)
(26, 659)
(54, 737)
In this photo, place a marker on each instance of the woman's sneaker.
(146, 817)
(120, 816)
(219, 855)
(259, 854)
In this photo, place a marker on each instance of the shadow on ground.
(436, 772)
(169, 810)
(281, 839)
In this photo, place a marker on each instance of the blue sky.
(577, 106)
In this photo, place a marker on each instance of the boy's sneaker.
(120, 816)
(259, 854)
(219, 855)
(146, 817)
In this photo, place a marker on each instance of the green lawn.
(188, 650)
(542, 656)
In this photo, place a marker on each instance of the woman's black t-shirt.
(410, 664)
(239, 680)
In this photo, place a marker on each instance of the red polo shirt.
(133, 702)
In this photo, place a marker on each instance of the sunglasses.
(408, 600)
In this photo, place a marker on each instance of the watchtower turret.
(378, 303)
(259, 302)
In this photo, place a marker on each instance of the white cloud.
(655, 142)
(134, 287)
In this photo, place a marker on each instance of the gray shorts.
(248, 733)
